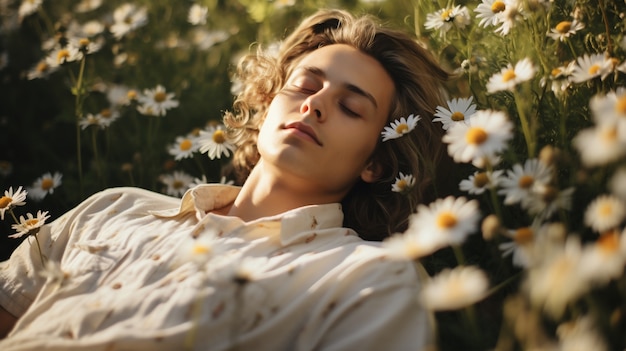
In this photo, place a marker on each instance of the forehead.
(344, 64)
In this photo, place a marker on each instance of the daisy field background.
(528, 252)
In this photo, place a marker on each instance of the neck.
(266, 193)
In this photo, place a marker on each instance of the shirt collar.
(296, 224)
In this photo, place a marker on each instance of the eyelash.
(343, 107)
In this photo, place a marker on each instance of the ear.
(372, 172)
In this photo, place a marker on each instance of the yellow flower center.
(608, 242)
(402, 128)
(185, 145)
(402, 184)
(219, 137)
(508, 75)
(556, 72)
(5, 201)
(445, 15)
(160, 96)
(106, 113)
(594, 69)
(498, 6)
(177, 184)
(42, 67)
(201, 250)
(476, 136)
(83, 42)
(564, 27)
(523, 235)
(610, 134)
(620, 106)
(46, 184)
(457, 116)
(32, 222)
(525, 181)
(481, 179)
(605, 210)
(446, 220)
(131, 95)
(63, 55)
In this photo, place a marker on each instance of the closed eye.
(348, 111)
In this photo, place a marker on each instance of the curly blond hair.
(371, 209)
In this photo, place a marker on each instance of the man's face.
(322, 128)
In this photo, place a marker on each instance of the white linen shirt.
(295, 281)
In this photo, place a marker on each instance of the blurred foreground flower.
(455, 288)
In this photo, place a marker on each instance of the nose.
(313, 106)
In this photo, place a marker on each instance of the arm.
(7, 321)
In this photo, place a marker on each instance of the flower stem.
(526, 127)
(78, 91)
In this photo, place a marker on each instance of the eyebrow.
(350, 87)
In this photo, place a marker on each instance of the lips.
(305, 129)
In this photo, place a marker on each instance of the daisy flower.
(509, 77)
(399, 127)
(565, 29)
(30, 224)
(206, 39)
(214, 142)
(197, 14)
(41, 70)
(11, 199)
(604, 213)
(91, 120)
(459, 110)
(44, 185)
(157, 101)
(198, 250)
(411, 245)
(85, 45)
(611, 109)
(28, 7)
(604, 259)
(63, 55)
(617, 183)
(599, 145)
(87, 5)
(403, 183)
(184, 147)
(478, 182)
(453, 289)
(92, 28)
(556, 281)
(127, 18)
(108, 116)
(581, 334)
(591, 66)
(484, 135)
(521, 246)
(489, 11)
(545, 200)
(513, 13)
(449, 220)
(118, 95)
(446, 18)
(519, 181)
(176, 183)
(560, 78)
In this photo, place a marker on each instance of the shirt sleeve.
(20, 276)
